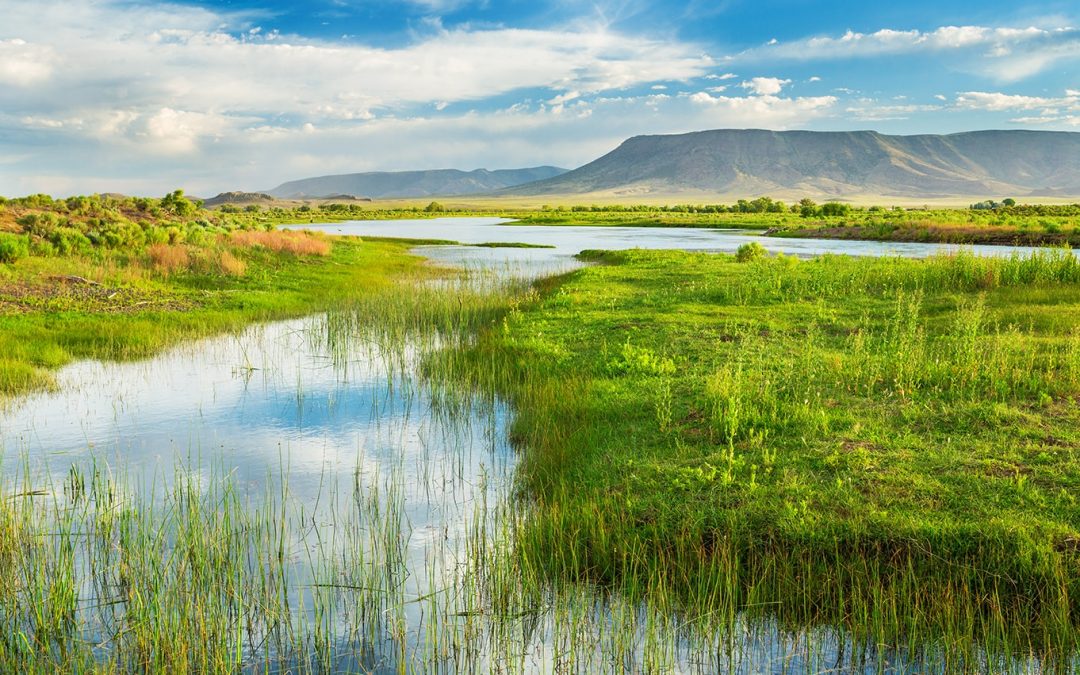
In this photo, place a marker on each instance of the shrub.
(68, 240)
(750, 251)
(12, 248)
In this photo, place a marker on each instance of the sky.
(144, 97)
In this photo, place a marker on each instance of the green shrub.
(13, 247)
(68, 240)
(750, 251)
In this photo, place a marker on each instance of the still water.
(568, 240)
(276, 401)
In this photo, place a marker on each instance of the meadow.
(888, 445)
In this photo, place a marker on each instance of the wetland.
(286, 451)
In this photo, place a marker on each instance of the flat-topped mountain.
(435, 182)
(238, 198)
(749, 162)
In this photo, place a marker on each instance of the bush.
(12, 248)
(750, 251)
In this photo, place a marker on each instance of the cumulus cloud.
(765, 86)
(23, 64)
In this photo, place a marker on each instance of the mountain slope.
(750, 162)
(436, 182)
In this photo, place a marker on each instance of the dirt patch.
(76, 294)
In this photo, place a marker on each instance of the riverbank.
(54, 310)
(938, 234)
(886, 445)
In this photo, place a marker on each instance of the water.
(569, 240)
(278, 401)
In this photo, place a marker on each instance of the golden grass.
(168, 258)
(231, 265)
(296, 243)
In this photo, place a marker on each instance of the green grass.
(888, 445)
(37, 340)
(511, 244)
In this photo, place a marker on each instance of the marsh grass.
(886, 446)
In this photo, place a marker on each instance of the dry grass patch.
(296, 243)
(231, 265)
(169, 258)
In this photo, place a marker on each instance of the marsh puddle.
(399, 503)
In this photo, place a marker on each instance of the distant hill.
(749, 162)
(238, 198)
(435, 182)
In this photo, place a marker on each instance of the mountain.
(752, 162)
(436, 182)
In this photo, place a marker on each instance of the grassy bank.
(113, 279)
(1019, 224)
(887, 445)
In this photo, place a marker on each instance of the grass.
(129, 307)
(511, 244)
(886, 445)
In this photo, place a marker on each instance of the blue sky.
(141, 97)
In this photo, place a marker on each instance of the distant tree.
(1008, 201)
(835, 209)
(175, 202)
(434, 207)
(807, 208)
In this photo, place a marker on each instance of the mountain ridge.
(829, 164)
(404, 184)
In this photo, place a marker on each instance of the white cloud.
(765, 86)
(565, 98)
(997, 101)
(1005, 53)
(1059, 111)
(814, 78)
(871, 111)
(764, 111)
(183, 61)
(23, 64)
(1068, 120)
